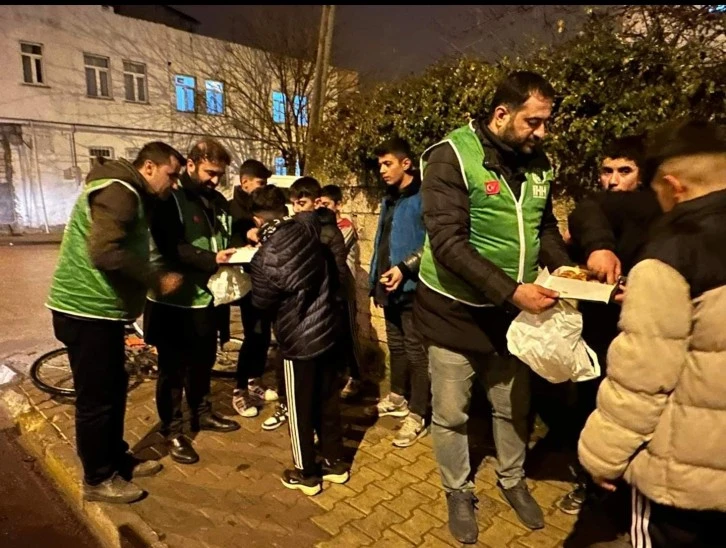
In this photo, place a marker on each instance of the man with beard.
(191, 234)
(99, 284)
(487, 208)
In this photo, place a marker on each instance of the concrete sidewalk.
(34, 238)
(233, 496)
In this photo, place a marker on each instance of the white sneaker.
(351, 388)
(412, 429)
(243, 404)
(386, 407)
(276, 420)
(271, 395)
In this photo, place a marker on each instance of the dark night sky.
(384, 42)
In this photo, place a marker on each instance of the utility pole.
(322, 62)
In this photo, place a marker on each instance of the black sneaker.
(294, 479)
(462, 516)
(337, 472)
(572, 502)
(526, 508)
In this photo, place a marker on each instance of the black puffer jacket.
(335, 252)
(290, 281)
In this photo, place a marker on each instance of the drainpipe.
(74, 158)
(40, 183)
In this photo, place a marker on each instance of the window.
(299, 107)
(278, 107)
(280, 168)
(99, 152)
(135, 81)
(32, 55)
(97, 76)
(185, 86)
(215, 97)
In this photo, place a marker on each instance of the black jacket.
(336, 253)
(290, 282)
(445, 197)
(690, 238)
(113, 210)
(619, 222)
(240, 207)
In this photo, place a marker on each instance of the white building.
(83, 81)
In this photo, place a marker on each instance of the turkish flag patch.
(491, 187)
(197, 219)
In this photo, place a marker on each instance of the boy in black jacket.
(290, 280)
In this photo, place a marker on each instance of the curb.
(116, 526)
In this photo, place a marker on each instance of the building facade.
(84, 81)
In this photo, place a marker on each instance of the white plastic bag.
(229, 284)
(551, 344)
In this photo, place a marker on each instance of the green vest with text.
(503, 229)
(78, 287)
(197, 223)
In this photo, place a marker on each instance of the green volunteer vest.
(81, 289)
(503, 230)
(193, 292)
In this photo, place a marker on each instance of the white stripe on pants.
(639, 536)
(292, 414)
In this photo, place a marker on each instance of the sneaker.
(351, 388)
(337, 472)
(572, 502)
(386, 407)
(232, 345)
(462, 516)
(256, 392)
(271, 395)
(114, 490)
(412, 429)
(526, 508)
(276, 420)
(294, 479)
(243, 404)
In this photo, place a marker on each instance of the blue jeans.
(506, 380)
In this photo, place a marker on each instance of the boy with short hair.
(290, 278)
(304, 195)
(331, 197)
(659, 422)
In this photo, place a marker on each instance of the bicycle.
(51, 372)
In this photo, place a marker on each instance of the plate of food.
(574, 282)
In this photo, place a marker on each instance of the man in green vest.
(487, 209)
(99, 285)
(190, 234)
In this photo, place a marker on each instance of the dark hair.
(631, 147)
(268, 202)
(396, 146)
(254, 169)
(516, 88)
(333, 192)
(210, 150)
(159, 153)
(305, 187)
(682, 138)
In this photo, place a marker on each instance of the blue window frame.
(184, 87)
(299, 107)
(280, 168)
(214, 93)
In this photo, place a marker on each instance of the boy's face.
(332, 205)
(306, 203)
(619, 175)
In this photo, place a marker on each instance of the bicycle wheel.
(51, 373)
